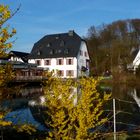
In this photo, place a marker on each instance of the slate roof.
(57, 45)
(21, 55)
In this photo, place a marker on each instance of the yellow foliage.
(2, 122)
(27, 128)
(67, 119)
(5, 33)
(6, 74)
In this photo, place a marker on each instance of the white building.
(65, 53)
(18, 56)
(136, 61)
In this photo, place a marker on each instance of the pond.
(26, 107)
(127, 108)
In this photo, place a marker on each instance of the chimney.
(71, 32)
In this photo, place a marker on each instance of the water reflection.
(18, 103)
(24, 116)
(134, 95)
(127, 108)
(28, 101)
(34, 102)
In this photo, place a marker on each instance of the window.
(38, 62)
(87, 63)
(57, 37)
(60, 73)
(52, 51)
(85, 54)
(59, 61)
(69, 61)
(81, 52)
(55, 51)
(48, 45)
(66, 51)
(47, 62)
(59, 51)
(62, 43)
(70, 73)
(38, 52)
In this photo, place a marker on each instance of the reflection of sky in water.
(22, 116)
(127, 107)
(20, 111)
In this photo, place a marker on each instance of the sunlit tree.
(5, 34)
(112, 46)
(74, 108)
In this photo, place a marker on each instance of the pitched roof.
(22, 55)
(57, 45)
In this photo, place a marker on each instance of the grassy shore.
(122, 78)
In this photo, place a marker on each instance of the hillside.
(113, 46)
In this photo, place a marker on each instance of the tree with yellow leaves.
(6, 73)
(74, 108)
(6, 33)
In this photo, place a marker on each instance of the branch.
(13, 13)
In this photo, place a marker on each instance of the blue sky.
(37, 18)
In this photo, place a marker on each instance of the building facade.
(66, 54)
(18, 56)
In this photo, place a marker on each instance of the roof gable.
(21, 55)
(57, 45)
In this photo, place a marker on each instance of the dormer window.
(62, 43)
(38, 52)
(51, 51)
(71, 33)
(48, 45)
(57, 37)
(55, 51)
(59, 51)
(66, 51)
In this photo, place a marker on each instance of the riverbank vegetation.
(112, 47)
(75, 107)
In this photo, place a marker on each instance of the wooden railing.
(30, 78)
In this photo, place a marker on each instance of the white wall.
(136, 61)
(56, 67)
(15, 59)
(78, 62)
(82, 59)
